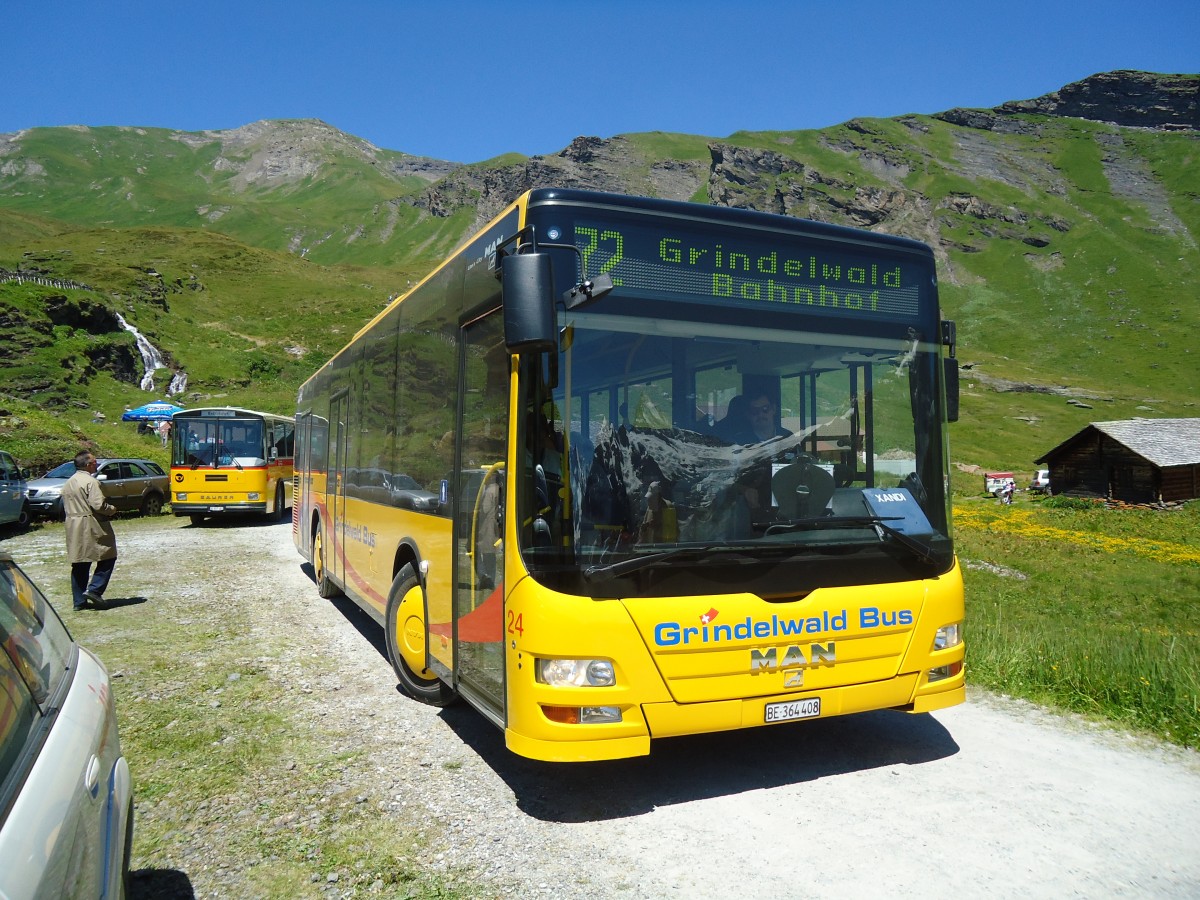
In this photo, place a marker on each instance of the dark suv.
(137, 485)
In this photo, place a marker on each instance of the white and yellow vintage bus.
(622, 469)
(227, 461)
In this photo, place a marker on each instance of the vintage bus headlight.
(576, 672)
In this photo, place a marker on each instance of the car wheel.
(325, 586)
(23, 517)
(406, 641)
(152, 505)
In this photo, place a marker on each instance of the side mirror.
(950, 367)
(102, 477)
(527, 282)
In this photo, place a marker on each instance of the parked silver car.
(13, 508)
(131, 485)
(66, 798)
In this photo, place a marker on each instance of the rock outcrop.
(1124, 97)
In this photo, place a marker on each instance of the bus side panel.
(374, 534)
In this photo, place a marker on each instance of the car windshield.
(66, 470)
(658, 447)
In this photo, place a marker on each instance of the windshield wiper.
(637, 563)
(880, 523)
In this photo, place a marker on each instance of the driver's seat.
(802, 490)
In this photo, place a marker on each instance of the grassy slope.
(1100, 309)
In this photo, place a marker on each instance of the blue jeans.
(80, 573)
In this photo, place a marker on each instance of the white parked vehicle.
(66, 799)
(996, 483)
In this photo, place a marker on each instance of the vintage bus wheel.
(325, 586)
(406, 638)
(280, 508)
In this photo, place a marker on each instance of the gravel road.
(992, 798)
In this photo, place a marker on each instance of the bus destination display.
(731, 268)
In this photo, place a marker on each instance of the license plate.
(216, 509)
(793, 709)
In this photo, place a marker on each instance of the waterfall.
(153, 361)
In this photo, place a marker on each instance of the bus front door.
(479, 515)
(337, 487)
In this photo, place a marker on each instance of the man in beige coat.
(90, 535)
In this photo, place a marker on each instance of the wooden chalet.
(1136, 460)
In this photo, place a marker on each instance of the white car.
(66, 799)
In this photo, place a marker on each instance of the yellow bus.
(227, 461)
(622, 469)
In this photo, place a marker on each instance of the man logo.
(793, 657)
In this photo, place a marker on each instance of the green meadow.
(1086, 609)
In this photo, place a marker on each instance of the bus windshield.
(734, 455)
(212, 441)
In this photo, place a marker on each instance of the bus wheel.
(325, 586)
(406, 638)
(280, 509)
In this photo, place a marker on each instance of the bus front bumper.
(583, 742)
(217, 509)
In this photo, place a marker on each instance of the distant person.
(90, 535)
(164, 431)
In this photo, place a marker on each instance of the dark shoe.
(91, 597)
(83, 607)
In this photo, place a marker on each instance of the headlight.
(181, 497)
(576, 672)
(948, 636)
(49, 493)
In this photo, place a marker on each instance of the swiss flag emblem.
(708, 617)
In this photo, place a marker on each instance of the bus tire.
(325, 586)
(280, 507)
(407, 637)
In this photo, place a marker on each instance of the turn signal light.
(585, 715)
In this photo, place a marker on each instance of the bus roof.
(236, 412)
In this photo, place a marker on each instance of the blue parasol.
(147, 412)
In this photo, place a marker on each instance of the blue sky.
(468, 80)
